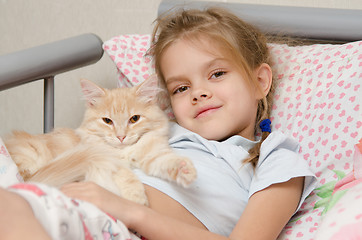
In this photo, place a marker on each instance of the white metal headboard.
(301, 22)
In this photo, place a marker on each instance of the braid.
(263, 113)
(255, 151)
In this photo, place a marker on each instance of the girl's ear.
(91, 91)
(265, 77)
(149, 89)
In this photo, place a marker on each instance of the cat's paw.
(139, 198)
(184, 173)
(134, 192)
(128, 186)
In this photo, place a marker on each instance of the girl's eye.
(107, 120)
(218, 74)
(181, 89)
(134, 118)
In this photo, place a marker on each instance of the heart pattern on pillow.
(129, 53)
(318, 102)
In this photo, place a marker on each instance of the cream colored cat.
(123, 128)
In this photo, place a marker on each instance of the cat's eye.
(107, 120)
(134, 118)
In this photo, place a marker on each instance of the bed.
(317, 100)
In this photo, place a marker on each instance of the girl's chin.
(212, 133)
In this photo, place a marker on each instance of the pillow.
(129, 54)
(317, 102)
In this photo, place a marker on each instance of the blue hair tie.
(265, 125)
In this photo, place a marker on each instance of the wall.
(26, 24)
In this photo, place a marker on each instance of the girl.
(215, 69)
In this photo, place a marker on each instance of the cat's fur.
(123, 128)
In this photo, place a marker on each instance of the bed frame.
(326, 24)
(46, 61)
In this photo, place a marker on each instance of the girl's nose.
(200, 95)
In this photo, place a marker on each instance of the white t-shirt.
(223, 186)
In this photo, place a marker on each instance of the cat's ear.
(91, 91)
(149, 89)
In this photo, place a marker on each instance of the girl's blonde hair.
(236, 39)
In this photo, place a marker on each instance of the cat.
(123, 128)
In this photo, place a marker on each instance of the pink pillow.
(318, 103)
(129, 54)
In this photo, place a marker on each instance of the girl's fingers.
(76, 190)
(87, 191)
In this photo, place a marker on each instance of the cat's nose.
(121, 138)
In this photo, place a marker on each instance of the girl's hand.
(93, 193)
(105, 200)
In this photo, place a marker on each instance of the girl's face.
(208, 94)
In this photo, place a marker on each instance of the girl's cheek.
(175, 103)
(178, 107)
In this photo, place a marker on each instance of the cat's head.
(121, 116)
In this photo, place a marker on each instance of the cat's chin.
(120, 145)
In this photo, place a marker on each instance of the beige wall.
(25, 24)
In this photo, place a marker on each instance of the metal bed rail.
(45, 62)
(327, 24)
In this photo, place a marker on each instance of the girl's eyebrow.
(215, 61)
(172, 79)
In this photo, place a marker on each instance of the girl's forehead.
(204, 44)
(199, 50)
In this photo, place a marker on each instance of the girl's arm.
(269, 210)
(266, 213)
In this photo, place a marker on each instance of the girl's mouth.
(203, 112)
